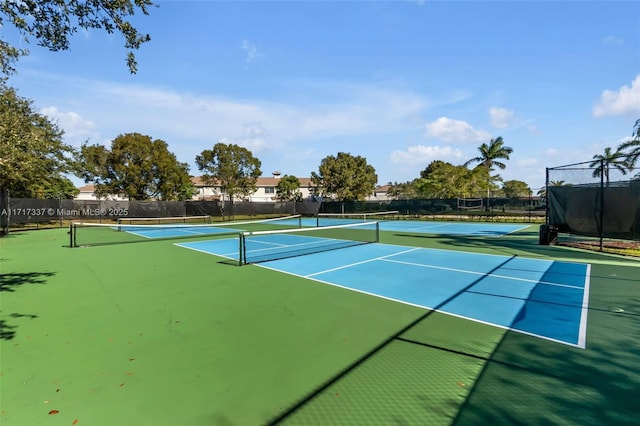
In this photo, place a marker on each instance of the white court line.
(362, 262)
(582, 331)
(204, 251)
(431, 308)
(280, 245)
(465, 271)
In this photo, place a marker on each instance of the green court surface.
(153, 334)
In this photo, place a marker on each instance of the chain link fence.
(594, 199)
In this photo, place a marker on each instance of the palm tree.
(633, 146)
(489, 156)
(542, 192)
(604, 162)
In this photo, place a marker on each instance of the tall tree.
(603, 163)
(52, 23)
(232, 167)
(288, 188)
(515, 189)
(34, 161)
(632, 147)
(444, 180)
(402, 190)
(345, 177)
(490, 156)
(136, 166)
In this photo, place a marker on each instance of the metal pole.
(602, 171)
(546, 196)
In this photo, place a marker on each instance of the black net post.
(72, 235)
(546, 196)
(242, 253)
(601, 215)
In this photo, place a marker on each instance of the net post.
(72, 235)
(377, 232)
(241, 249)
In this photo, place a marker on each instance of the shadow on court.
(11, 282)
(544, 384)
(416, 335)
(495, 376)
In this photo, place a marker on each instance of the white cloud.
(76, 128)
(449, 130)
(203, 117)
(251, 51)
(624, 101)
(500, 117)
(423, 155)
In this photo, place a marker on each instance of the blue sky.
(401, 83)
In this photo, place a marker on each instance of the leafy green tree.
(398, 191)
(433, 167)
(444, 180)
(231, 166)
(604, 162)
(633, 147)
(34, 161)
(345, 177)
(137, 167)
(52, 23)
(515, 189)
(288, 189)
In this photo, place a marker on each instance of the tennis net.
(263, 246)
(163, 220)
(332, 219)
(83, 234)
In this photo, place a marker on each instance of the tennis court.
(547, 299)
(415, 328)
(389, 222)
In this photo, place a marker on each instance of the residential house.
(87, 193)
(266, 189)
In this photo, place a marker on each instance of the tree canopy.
(603, 163)
(137, 167)
(515, 189)
(52, 23)
(631, 148)
(344, 177)
(34, 160)
(444, 180)
(288, 189)
(232, 167)
(491, 153)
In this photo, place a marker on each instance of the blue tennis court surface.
(178, 231)
(543, 298)
(428, 227)
(451, 228)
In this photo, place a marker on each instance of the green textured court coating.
(153, 334)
